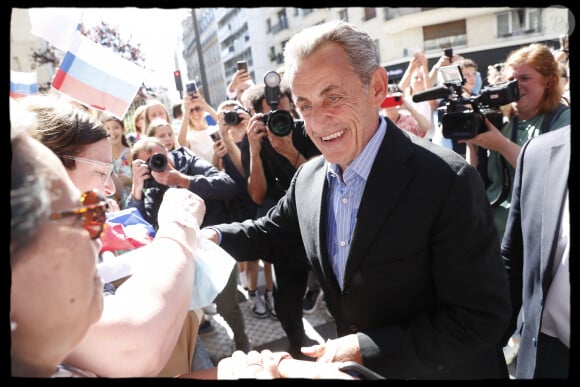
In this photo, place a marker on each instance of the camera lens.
(232, 117)
(157, 162)
(280, 122)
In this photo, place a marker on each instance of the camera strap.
(551, 117)
(547, 122)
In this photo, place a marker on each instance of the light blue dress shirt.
(344, 195)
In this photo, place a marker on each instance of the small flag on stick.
(98, 77)
(22, 84)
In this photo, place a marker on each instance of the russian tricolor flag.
(96, 76)
(22, 84)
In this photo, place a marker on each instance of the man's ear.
(379, 85)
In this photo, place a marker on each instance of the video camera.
(280, 122)
(459, 122)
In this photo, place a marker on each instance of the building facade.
(217, 38)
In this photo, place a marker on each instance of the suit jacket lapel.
(556, 176)
(314, 221)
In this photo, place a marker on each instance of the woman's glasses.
(195, 109)
(107, 168)
(93, 213)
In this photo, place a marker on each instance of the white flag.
(55, 25)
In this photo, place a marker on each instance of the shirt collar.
(363, 163)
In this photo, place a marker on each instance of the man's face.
(340, 113)
(470, 75)
(283, 104)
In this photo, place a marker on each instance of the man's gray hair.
(358, 46)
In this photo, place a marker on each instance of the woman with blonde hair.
(139, 124)
(195, 130)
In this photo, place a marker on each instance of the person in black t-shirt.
(270, 162)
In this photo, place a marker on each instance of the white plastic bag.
(213, 267)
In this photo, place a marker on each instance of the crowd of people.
(424, 248)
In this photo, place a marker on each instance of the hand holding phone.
(215, 136)
(392, 101)
(449, 53)
(242, 65)
(191, 88)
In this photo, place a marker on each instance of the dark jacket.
(212, 185)
(425, 288)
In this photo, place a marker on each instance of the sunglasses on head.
(92, 212)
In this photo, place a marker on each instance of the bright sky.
(157, 30)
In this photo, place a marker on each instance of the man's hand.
(210, 234)
(240, 76)
(342, 349)
(256, 130)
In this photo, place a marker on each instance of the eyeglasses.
(195, 109)
(107, 167)
(93, 212)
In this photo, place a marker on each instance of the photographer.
(270, 161)
(537, 110)
(182, 169)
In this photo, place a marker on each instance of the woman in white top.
(194, 131)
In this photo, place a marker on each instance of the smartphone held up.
(449, 52)
(392, 101)
(242, 65)
(191, 88)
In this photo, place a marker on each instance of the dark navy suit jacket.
(425, 288)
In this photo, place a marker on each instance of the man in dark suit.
(398, 231)
(536, 249)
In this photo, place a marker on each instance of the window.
(519, 22)
(393, 13)
(282, 18)
(370, 13)
(440, 36)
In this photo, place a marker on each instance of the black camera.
(280, 122)
(157, 162)
(233, 116)
(458, 121)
